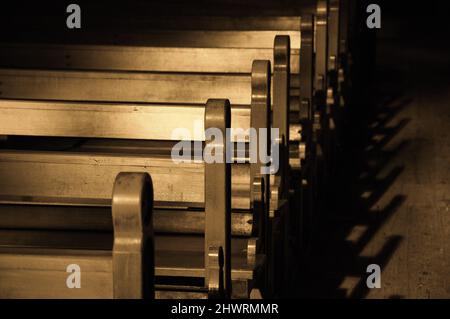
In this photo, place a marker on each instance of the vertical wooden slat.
(133, 250)
(218, 199)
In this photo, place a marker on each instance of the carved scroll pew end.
(133, 249)
(218, 201)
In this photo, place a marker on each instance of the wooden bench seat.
(329, 41)
(193, 70)
(107, 95)
(70, 183)
(94, 215)
(33, 264)
(176, 255)
(151, 91)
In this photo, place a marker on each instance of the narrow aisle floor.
(392, 208)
